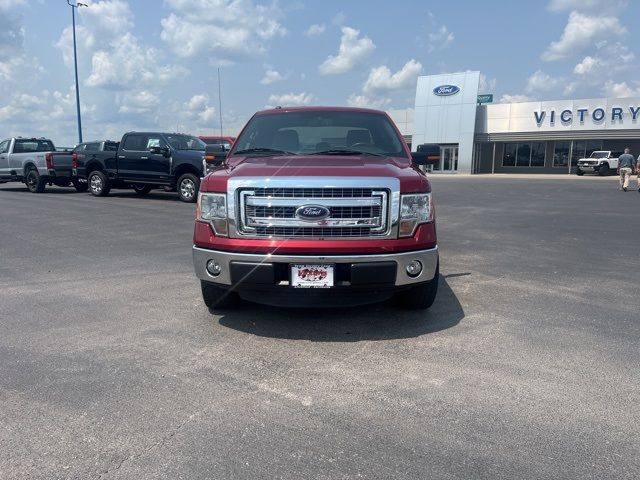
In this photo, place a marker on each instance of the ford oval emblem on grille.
(311, 213)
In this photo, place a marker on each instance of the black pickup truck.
(143, 161)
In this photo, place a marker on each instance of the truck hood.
(411, 179)
(190, 154)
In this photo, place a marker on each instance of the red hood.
(411, 179)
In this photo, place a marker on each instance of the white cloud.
(486, 84)
(316, 29)
(570, 88)
(581, 32)
(11, 35)
(127, 64)
(225, 30)
(610, 58)
(507, 98)
(440, 39)
(271, 76)
(438, 36)
(587, 65)
(291, 99)
(9, 4)
(587, 5)
(364, 101)
(542, 82)
(381, 79)
(622, 89)
(353, 49)
(339, 19)
(140, 102)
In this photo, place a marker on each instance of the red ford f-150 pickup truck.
(317, 206)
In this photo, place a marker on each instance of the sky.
(152, 64)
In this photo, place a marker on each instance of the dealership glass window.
(509, 157)
(523, 155)
(538, 150)
(592, 146)
(578, 151)
(561, 153)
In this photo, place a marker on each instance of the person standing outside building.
(626, 166)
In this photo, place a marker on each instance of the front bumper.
(263, 265)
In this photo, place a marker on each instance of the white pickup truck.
(602, 162)
(35, 162)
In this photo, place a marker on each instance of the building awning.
(630, 134)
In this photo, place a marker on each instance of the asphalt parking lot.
(527, 366)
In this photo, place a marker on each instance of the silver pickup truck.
(35, 162)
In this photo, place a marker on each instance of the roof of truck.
(277, 110)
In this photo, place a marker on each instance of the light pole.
(75, 63)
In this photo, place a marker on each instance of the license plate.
(312, 276)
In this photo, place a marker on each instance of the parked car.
(317, 207)
(35, 162)
(602, 162)
(227, 142)
(143, 161)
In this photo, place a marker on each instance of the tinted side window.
(79, 148)
(92, 147)
(110, 146)
(4, 146)
(33, 145)
(135, 143)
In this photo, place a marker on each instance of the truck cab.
(602, 162)
(317, 207)
(35, 162)
(143, 161)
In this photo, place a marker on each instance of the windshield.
(599, 155)
(314, 132)
(185, 142)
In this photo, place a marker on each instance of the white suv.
(602, 162)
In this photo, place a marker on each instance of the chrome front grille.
(353, 212)
(301, 192)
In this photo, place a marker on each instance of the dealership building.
(526, 137)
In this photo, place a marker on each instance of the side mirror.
(214, 156)
(164, 151)
(427, 154)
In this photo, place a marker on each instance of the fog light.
(414, 268)
(213, 268)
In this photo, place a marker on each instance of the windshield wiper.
(266, 151)
(338, 151)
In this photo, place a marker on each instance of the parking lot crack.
(160, 443)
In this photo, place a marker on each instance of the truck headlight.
(212, 208)
(414, 210)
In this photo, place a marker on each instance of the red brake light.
(49, 159)
(74, 160)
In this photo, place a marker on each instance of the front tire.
(141, 189)
(35, 183)
(98, 184)
(216, 297)
(420, 297)
(579, 172)
(603, 171)
(188, 186)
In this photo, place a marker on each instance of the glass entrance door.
(448, 158)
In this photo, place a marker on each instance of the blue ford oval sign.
(312, 212)
(446, 90)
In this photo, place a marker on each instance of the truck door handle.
(121, 156)
(144, 158)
